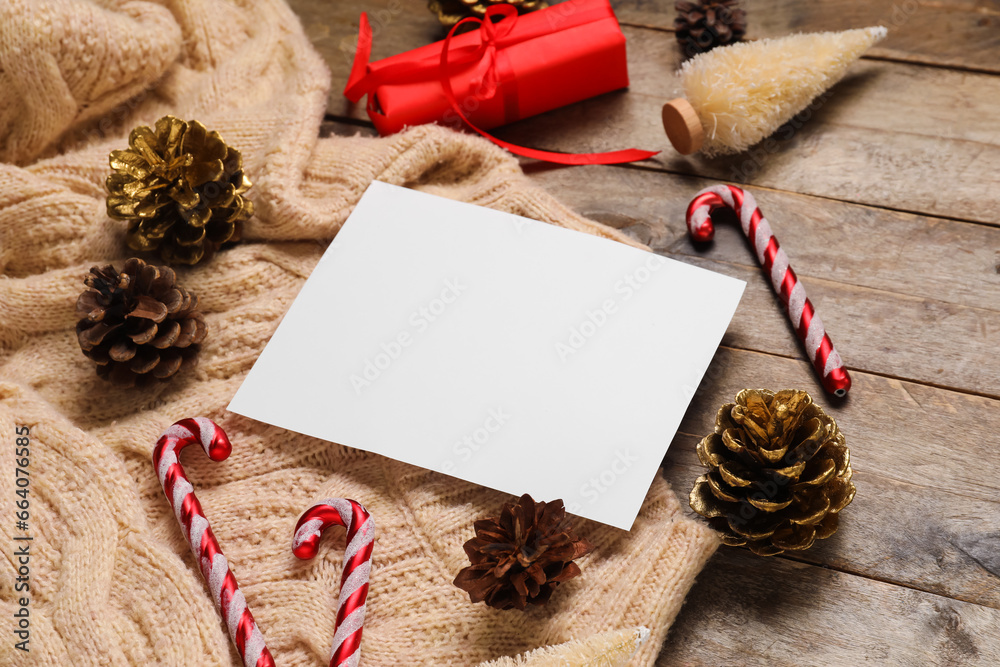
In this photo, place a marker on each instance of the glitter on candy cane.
(228, 598)
(357, 568)
(808, 325)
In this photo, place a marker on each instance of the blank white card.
(504, 351)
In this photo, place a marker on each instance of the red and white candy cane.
(357, 568)
(774, 261)
(226, 592)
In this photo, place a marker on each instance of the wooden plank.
(877, 139)
(958, 33)
(880, 94)
(911, 433)
(925, 516)
(908, 275)
(927, 513)
(932, 536)
(925, 257)
(875, 95)
(397, 26)
(918, 339)
(922, 304)
(924, 538)
(745, 610)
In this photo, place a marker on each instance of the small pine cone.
(703, 25)
(450, 12)
(181, 189)
(779, 473)
(521, 556)
(137, 325)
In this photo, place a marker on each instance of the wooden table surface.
(886, 201)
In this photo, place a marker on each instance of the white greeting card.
(504, 351)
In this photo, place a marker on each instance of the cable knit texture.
(112, 579)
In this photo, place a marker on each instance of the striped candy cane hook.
(357, 568)
(226, 592)
(808, 325)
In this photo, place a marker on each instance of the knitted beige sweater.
(112, 581)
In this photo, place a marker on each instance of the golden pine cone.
(451, 12)
(138, 325)
(705, 24)
(521, 556)
(181, 189)
(779, 472)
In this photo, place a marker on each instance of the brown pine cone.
(451, 12)
(521, 556)
(703, 25)
(181, 189)
(138, 325)
(779, 473)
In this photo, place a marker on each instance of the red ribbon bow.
(492, 38)
(490, 34)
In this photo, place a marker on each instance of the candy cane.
(808, 325)
(226, 592)
(357, 568)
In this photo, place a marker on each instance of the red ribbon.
(492, 38)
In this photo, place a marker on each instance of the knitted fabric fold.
(112, 579)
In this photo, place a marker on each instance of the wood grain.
(917, 521)
(397, 26)
(959, 33)
(927, 514)
(911, 331)
(745, 610)
(919, 256)
(909, 432)
(862, 268)
(920, 306)
(882, 196)
(876, 139)
(907, 534)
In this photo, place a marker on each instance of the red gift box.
(505, 71)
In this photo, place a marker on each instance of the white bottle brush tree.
(740, 94)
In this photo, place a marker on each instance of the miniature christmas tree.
(739, 94)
